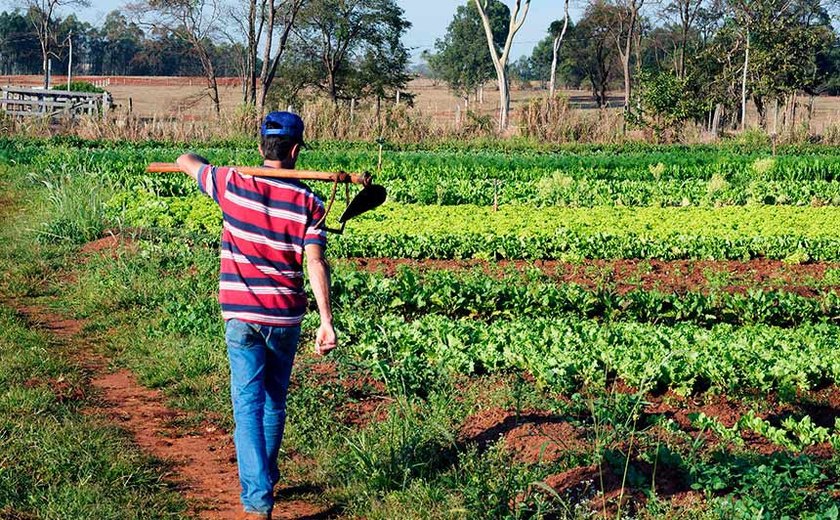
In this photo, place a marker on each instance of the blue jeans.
(261, 359)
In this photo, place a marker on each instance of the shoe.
(247, 515)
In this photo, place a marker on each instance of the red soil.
(110, 244)
(532, 436)
(679, 276)
(535, 436)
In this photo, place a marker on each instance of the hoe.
(371, 195)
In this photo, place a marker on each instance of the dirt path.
(203, 464)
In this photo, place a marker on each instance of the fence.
(33, 102)
(121, 81)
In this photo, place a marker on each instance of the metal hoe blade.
(369, 198)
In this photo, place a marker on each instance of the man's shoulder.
(285, 190)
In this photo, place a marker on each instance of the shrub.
(80, 86)
(664, 105)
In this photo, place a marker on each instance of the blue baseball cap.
(286, 124)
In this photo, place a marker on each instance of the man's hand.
(325, 339)
(191, 164)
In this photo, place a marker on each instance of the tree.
(256, 22)
(122, 41)
(665, 103)
(249, 17)
(765, 50)
(500, 59)
(281, 18)
(686, 13)
(341, 37)
(460, 59)
(19, 47)
(624, 25)
(785, 40)
(41, 15)
(593, 49)
(558, 33)
(194, 22)
(538, 64)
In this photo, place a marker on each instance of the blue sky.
(429, 19)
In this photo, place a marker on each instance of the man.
(268, 225)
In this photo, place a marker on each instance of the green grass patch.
(57, 462)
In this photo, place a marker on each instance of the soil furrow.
(677, 276)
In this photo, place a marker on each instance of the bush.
(80, 86)
(664, 105)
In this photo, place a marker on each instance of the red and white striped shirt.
(267, 223)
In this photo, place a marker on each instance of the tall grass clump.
(75, 206)
(553, 120)
(325, 120)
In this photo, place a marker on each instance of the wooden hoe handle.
(339, 177)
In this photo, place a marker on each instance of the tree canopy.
(462, 58)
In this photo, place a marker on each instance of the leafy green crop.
(737, 233)
(565, 352)
(678, 176)
(477, 295)
(413, 231)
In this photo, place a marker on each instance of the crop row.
(413, 231)
(525, 232)
(563, 190)
(566, 352)
(679, 164)
(475, 294)
(455, 177)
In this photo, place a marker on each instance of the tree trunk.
(504, 99)
(500, 62)
(251, 56)
(44, 53)
(553, 81)
(716, 120)
(744, 84)
(761, 110)
(379, 115)
(625, 64)
(269, 70)
(214, 93)
(333, 88)
(210, 74)
(265, 82)
(556, 49)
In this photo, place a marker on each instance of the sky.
(429, 19)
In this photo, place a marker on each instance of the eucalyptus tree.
(501, 56)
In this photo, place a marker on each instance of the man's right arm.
(319, 279)
(191, 164)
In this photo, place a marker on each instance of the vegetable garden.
(525, 332)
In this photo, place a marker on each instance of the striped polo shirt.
(267, 223)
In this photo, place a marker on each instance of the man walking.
(268, 226)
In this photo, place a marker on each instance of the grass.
(58, 462)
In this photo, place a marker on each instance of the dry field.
(185, 98)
